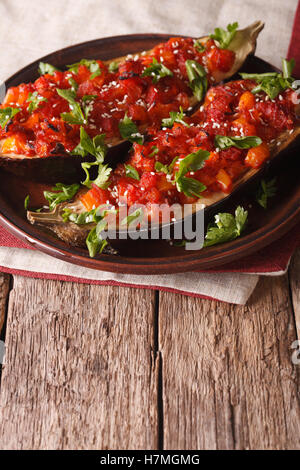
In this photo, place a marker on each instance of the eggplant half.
(75, 235)
(66, 168)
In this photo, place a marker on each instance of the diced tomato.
(242, 124)
(247, 101)
(14, 144)
(256, 156)
(224, 180)
(138, 113)
(220, 59)
(94, 198)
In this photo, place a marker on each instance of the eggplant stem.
(52, 217)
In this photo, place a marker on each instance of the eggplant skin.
(63, 168)
(75, 235)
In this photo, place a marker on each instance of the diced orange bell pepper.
(257, 155)
(13, 144)
(247, 101)
(247, 127)
(163, 184)
(224, 180)
(94, 198)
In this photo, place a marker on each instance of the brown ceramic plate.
(146, 257)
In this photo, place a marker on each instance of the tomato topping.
(257, 155)
(145, 98)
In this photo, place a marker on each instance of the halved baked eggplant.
(76, 234)
(67, 167)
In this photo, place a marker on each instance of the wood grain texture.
(228, 379)
(294, 277)
(80, 369)
(4, 290)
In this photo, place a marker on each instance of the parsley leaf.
(223, 36)
(174, 117)
(102, 180)
(165, 168)
(6, 114)
(272, 83)
(225, 142)
(46, 68)
(34, 100)
(266, 190)
(137, 214)
(98, 149)
(129, 130)
(62, 193)
(81, 218)
(199, 46)
(113, 67)
(190, 187)
(74, 84)
(155, 150)
(94, 242)
(157, 71)
(95, 146)
(26, 202)
(92, 65)
(197, 78)
(131, 172)
(192, 162)
(76, 116)
(226, 227)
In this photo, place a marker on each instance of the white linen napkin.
(31, 29)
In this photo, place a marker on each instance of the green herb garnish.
(74, 84)
(175, 117)
(199, 46)
(225, 142)
(226, 227)
(160, 167)
(95, 146)
(26, 202)
(76, 116)
(6, 114)
(155, 150)
(273, 83)
(34, 100)
(223, 36)
(98, 148)
(266, 190)
(157, 71)
(129, 130)
(192, 162)
(113, 67)
(197, 78)
(62, 193)
(46, 68)
(131, 172)
(138, 213)
(94, 242)
(92, 65)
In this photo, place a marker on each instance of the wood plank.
(4, 290)
(228, 379)
(294, 276)
(80, 369)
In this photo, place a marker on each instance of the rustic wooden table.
(91, 367)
